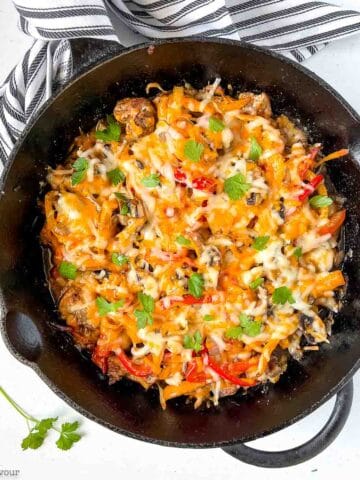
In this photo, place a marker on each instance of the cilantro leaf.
(236, 186)
(151, 181)
(67, 270)
(45, 424)
(319, 201)
(181, 240)
(144, 317)
(111, 133)
(121, 196)
(116, 176)
(81, 163)
(260, 242)
(119, 259)
(196, 285)
(256, 283)
(34, 440)
(234, 332)
(38, 433)
(193, 342)
(68, 435)
(193, 150)
(216, 125)
(255, 150)
(297, 252)
(80, 167)
(104, 307)
(209, 318)
(147, 302)
(282, 295)
(251, 327)
(124, 210)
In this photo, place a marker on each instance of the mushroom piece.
(137, 114)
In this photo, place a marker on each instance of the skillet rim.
(18, 145)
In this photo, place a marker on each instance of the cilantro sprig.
(260, 243)
(193, 342)
(216, 125)
(80, 167)
(111, 133)
(104, 307)
(39, 429)
(151, 181)
(256, 283)
(246, 326)
(119, 259)
(196, 285)
(255, 150)
(183, 241)
(193, 150)
(116, 176)
(297, 252)
(236, 186)
(282, 295)
(144, 317)
(67, 270)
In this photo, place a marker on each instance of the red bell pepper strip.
(100, 357)
(310, 187)
(190, 300)
(334, 223)
(242, 382)
(180, 176)
(205, 184)
(131, 367)
(192, 374)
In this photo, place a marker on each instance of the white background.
(103, 453)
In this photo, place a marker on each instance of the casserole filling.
(194, 242)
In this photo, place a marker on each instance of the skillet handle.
(308, 450)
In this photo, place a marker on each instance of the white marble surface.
(102, 452)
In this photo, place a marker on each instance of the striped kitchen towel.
(295, 29)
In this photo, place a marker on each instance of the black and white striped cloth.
(295, 29)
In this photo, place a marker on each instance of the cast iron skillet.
(29, 312)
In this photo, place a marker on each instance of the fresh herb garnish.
(80, 167)
(256, 283)
(255, 150)
(124, 210)
(111, 133)
(209, 318)
(247, 326)
(196, 285)
(121, 196)
(151, 181)
(320, 201)
(193, 342)
(216, 125)
(119, 259)
(193, 150)
(236, 186)
(38, 429)
(282, 295)
(116, 176)
(104, 307)
(144, 317)
(297, 252)
(68, 435)
(68, 270)
(181, 240)
(260, 242)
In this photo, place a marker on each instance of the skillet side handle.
(308, 450)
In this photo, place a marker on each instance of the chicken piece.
(137, 114)
(259, 104)
(73, 308)
(291, 133)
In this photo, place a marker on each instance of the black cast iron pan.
(29, 312)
